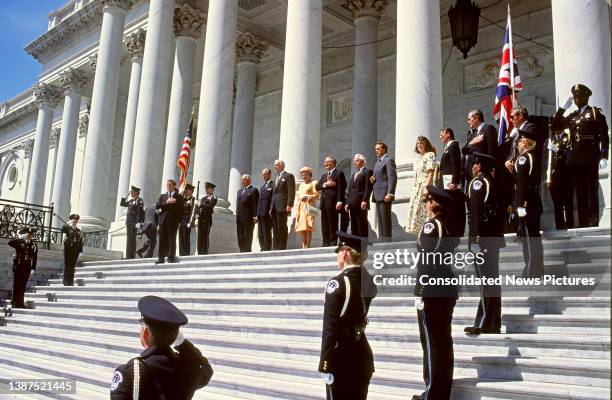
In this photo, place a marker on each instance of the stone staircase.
(257, 317)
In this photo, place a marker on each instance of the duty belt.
(580, 137)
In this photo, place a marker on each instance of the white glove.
(195, 222)
(137, 225)
(603, 163)
(551, 146)
(521, 212)
(188, 225)
(328, 378)
(179, 339)
(514, 132)
(568, 103)
(419, 305)
(475, 248)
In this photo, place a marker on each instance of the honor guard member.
(437, 303)
(589, 143)
(170, 367)
(73, 248)
(134, 217)
(24, 262)
(185, 226)
(206, 208)
(561, 185)
(486, 237)
(346, 362)
(149, 229)
(529, 206)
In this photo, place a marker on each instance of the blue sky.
(21, 21)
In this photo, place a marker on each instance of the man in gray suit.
(384, 181)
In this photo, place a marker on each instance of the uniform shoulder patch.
(117, 379)
(332, 285)
(477, 185)
(521, 160)
(428, 227)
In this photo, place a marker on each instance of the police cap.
(486, 161)
(160, 312)
(189, 186)
(24, 230)
(527, 135)
(579, 89)
(210, 185)
(356, 243)
(135, 189)
(440, 196)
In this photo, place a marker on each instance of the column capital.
(93, 62)
(135, 43)
(366, 8)
(73, 80)
(124, 5)
(250, 47)
(54, 137)
(188, 21)
(83, 124)
(27, 146)
(46, 95)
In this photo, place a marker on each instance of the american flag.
(508, 84)
(184, 157)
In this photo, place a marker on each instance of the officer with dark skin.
(185, 222)
(206, 208)
(24, 262)
(561, 185)
(346, 362)
(73, 248)
(134, 217)
(589, 142)
(170, 367)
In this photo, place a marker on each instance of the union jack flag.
(184, 157)
(508, 84)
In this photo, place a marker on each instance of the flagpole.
(511, 45)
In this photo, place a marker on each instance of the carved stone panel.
(339, 107)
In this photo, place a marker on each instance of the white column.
(46, 97)
(418, 108)
(73, 82)
(365, 82)
(135, 45)
(249, 50)
(212, 153)
(97, 158)
(188, 24)
(153, 100)
(301, 104)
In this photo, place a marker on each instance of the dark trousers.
(435, 321)
(562, 193)
(148, 248)
(70, 259)
(329, 226)
(488, 315)
(130, 241)
(359, 221)
(533, 252)
(383, 218)
(586, 184)
(348, 387)
(264, 232)
(456, 222)
(167, 241)
(203, 235)
(20, 280)
(244, 230)
(280, 230)
(184, 240)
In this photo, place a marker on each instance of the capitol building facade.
(268, 79)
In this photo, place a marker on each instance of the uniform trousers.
(20, 280)
(586, 184)
(184, 240)
(562, 193)
(204, 235)
(70, 259)
(130, 244)
(488, 315)
(348, 387)
(531, 240)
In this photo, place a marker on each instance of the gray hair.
(360, 157)
(266, 171)
(331, 158)
(477, 113)
(520, 110)
(246, 176)
(281, 162)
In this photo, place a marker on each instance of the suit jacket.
(450, 163)
(264, 205)
(246, 204)
(284, 194)
(487, 146)
(169, 213)
(386, 178)
(359, 188)
(330, 196)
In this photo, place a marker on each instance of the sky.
(21, 21)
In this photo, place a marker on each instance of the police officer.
(589, 143)
(529, 205)
(24, 262)
(185, 222)
(170, 367)
(346, 362)
(561, 185)
(73, 248)
(435, 308)
(134, 217)
(486, 237)
(206, 208)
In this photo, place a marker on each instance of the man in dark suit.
(332, 186)
(169, 207)
(384, 179)
(264, 211)
(358, 198)
(282, 202)
(481, 138)
(246, 213)
(449, 179)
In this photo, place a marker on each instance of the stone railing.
(65, 11)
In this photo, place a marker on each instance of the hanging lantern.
(464, 18)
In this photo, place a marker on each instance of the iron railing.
(15, 215)
(96, 239)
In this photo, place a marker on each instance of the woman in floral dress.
(424, 170)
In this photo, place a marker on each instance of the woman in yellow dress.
(305, 200)
(424, 169)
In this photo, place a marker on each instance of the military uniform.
(73, 247)
(185, 224)
(561, 183)
(24, 262)
(345, 351)
(134, 217)
(206, 208)
(588, 144)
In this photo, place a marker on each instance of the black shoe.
(472, 330)
(139, 252)
(417, 397)
(159, 262)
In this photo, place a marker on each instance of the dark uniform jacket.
(450, 163)
(74, 238)
(359, 188)
(169, 213)
(528, 182)
(207, 208)
(330, 196)
(135, 213)
(284, 193)
(26, 254)
(385, 174)
(344, 346)
(589, 138)
(188, 205)
(485, 212)
(246, 204)
(264, 205)
(176, 376)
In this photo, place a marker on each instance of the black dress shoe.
(472, 330)
(139, 252)
(159, 262)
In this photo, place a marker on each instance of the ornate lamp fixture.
(464, 18)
